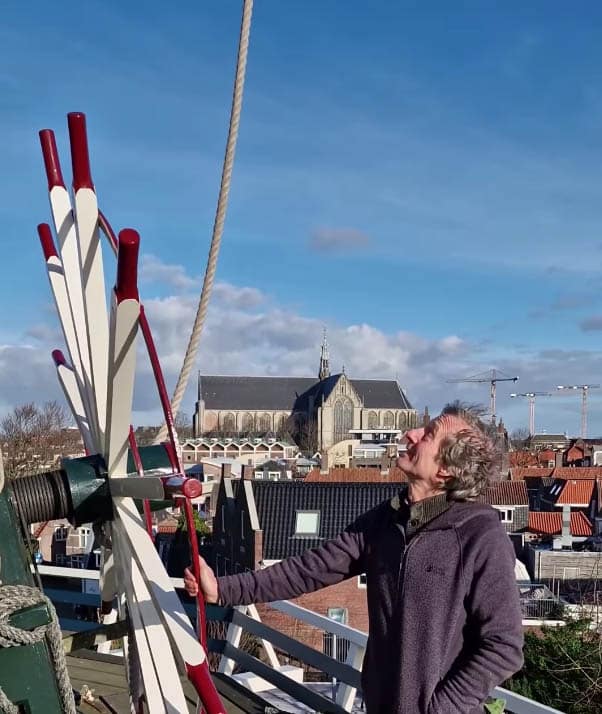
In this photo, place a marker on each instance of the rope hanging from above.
(12, 599)
(220, 217)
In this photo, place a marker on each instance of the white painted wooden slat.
(122, 368)
(90, 255)
(159, 658)
(128, 525)
(68, 382)
(64, 224)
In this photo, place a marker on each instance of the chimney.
(559, 456)
(226, 470)
(248, 473)
(567, 539)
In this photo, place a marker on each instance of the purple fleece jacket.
(444, 615)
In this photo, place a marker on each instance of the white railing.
(247, 618)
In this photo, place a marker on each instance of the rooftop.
(550, 523)
(293, 393)
(506, 493)
(338, 503)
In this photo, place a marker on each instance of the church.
(316, 413)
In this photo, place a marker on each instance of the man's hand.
(208, 583)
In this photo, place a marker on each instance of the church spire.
(324, 361)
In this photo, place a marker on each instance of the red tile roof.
(40, 529)
(568, 472)
(168, 528)
(576, 492)
(518, 473)
(578, 472)
(550, 523)
(395, 475)
(506, 493)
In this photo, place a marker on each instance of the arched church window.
(229, 422)
(248, 423)
(372, 420)
(402, 422)
(388, 420)
(343, 419)
(265, 422)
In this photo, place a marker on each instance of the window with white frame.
(78, 561)
(274, 475)
(338, 614)
(84, 534)
(259, 474)
(505, 514)
(307, 523)
(61, 533)
(362, 581)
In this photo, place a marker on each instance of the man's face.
(420, 462)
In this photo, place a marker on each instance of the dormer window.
(307, 523)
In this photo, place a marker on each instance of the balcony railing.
(274, 678)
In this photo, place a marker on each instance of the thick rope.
(12, 599)
(220, 217)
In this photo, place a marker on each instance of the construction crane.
(531, 397)
(584, 391)
(492, 377)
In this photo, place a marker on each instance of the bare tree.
(183, 425)
(33, 438)
(519, 438)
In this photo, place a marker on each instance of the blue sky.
(422, 178)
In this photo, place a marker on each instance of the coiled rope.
(12, 599)
(220, 217)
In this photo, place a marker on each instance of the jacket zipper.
(402, 567)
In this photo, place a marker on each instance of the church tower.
(324, 371)
(199, 409)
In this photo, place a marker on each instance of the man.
(444, 616)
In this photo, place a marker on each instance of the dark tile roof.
(339, 505)
(253, 392)
(381, 393)
(294, 393)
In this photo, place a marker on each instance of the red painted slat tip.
(191, 488)
(126, 286)
(51, 159)
(80, 158)
(47, 241)
(59, 358)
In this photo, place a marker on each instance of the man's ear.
(443, 473)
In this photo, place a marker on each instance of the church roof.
(293, 393)
(381, 393)
(254, 392)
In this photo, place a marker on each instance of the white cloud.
(246, 334)
(154, 271)
(338, 239)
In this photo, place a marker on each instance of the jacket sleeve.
(317, 568)
(493, 650)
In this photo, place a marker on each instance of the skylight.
(307, 523)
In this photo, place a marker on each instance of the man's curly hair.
(470, 455)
